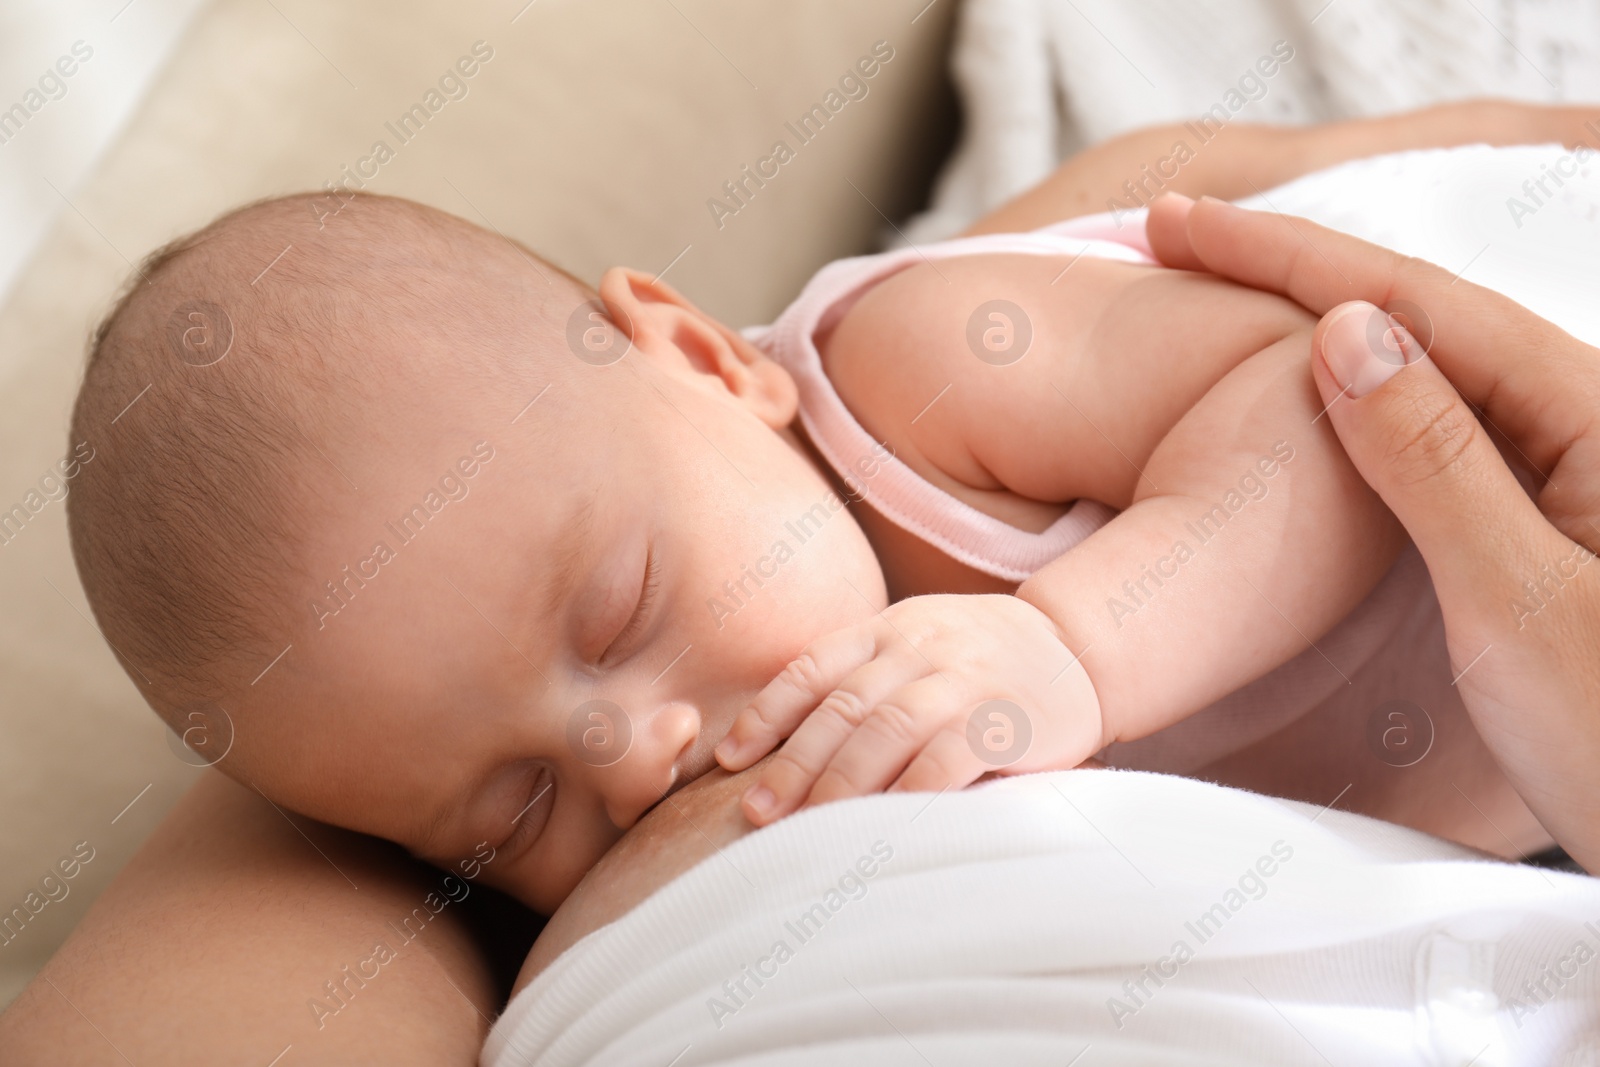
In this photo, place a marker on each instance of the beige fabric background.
(595, 134)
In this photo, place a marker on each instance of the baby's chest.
(914, 567)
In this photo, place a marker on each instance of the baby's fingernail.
(1178, 198)
(762, 799)
(1363, 347)
(734, 752)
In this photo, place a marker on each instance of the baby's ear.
(666, 327)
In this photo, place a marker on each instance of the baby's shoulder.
(900, 345)
(954, 316)
(941, 344)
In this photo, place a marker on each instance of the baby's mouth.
(693, 767)
(696, 762)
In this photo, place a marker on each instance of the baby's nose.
(650, 766)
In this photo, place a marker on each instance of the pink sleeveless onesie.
(993, 547)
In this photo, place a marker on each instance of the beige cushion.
(596, 133)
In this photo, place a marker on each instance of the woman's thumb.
(1421, 448)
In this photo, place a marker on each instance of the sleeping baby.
(485, 562)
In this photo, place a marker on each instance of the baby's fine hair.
(212, 390)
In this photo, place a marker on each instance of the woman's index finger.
(1520, 370)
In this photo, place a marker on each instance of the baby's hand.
(931, 694)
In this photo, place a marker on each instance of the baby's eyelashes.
(649, 586)
(528, 823)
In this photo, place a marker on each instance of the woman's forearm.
(230, 938)
(1234, 161)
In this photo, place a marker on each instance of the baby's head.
(463, 551)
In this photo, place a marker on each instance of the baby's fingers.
(896, 730)
(997, 735)
(789, 697)
(948, 762)
(787, 780)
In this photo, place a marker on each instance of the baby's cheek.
(545, 875)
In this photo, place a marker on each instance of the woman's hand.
(930, 694)
(1406, 392)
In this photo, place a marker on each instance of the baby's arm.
(1249, 516)
(1249, 537)
(1173, 394)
